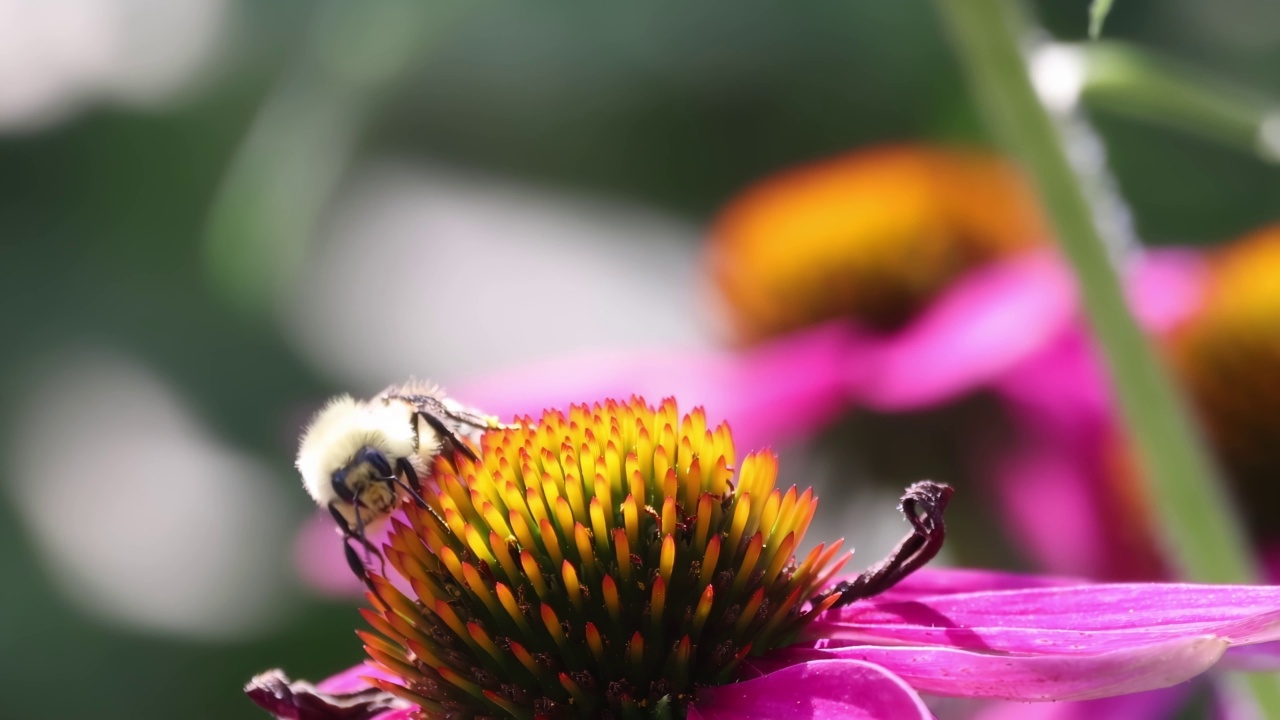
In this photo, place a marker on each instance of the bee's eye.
(340, 487)
(381, 466)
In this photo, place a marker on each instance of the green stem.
(1128, 80)
(1201, 532)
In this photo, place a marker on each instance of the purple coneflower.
(619, 561)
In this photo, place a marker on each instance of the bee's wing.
(454, 421)
(428, 397)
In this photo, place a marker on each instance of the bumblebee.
(361, 458)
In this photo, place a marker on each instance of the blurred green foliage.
(104, 216)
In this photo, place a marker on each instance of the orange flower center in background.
(1228, 354)
(872, 235)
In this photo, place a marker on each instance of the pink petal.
(1166, 286)
(1068, 455)
(345, 695)
(352, 679)
(961, 673)
(772, 393)
(951, 581)
(1151, 705)
(1042, 471)
(814, 690)
(318, 555)
(990, 321)
(1075, 620)
(1264, 657)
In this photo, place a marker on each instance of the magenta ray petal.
(1079, 619)
(829, 689)
(952, 581)
(1151, 705)
(962, 673)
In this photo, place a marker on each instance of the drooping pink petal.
(988, 322)
(343, 697)
(1150, 705)
(827, 689)
(1080, 676)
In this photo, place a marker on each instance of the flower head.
(873, 236)
(611, 560)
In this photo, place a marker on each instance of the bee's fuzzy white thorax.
(345, 426)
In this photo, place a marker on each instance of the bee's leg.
(414, 485)
(923, 505)
(448, 438)
(353, 558)
(369, 547)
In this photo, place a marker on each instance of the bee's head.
(366, 480)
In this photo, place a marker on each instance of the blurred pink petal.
(769, 394)
(1064, 474)
(318, 556)
(988, 322)
(1166, 286)
(817, 690)
(352, 679)
(1264, 657)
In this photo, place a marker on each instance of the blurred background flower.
(216, 213)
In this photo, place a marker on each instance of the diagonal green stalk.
(1201, 531)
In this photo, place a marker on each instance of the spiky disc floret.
(603, 564)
